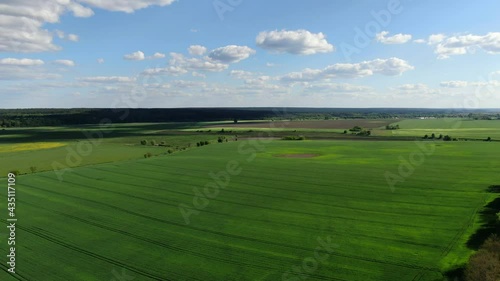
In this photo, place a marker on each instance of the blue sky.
(188, 53)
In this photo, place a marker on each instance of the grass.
(267, 220)
(458, 128)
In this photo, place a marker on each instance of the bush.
(33, 169)
(447, 138)
(144, 142)
(484, 265)
(293, 138)
(153, 142)
(148, 155)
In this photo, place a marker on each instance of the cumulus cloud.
(73, 37)
(454, 84)
(387, 67)
(301, 42)
(157, 56)
(127, 6)
(24, 69)
(22, 22)
(65, 62)
(336, 88)
(20, 62)
(139, 55)
(395, 39)
(171, 70)
(196, 64)
(464, 44)
(241, 74)
(197, 50)
(100, 60)
(135, 56)
(108, 79)
(231, 53)
(420, 41)
(415, 89)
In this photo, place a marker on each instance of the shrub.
(447, 138)
(144, 142)
(33, 169)
(153, 142)
(148, 155)
(484, 265)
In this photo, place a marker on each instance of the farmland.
(273, 213)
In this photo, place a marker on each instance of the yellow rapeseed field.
(29, 146)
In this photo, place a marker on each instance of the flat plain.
(266, 223)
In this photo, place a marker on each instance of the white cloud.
(415, 89)
(22, 21)
(420, 41)
(412, 87)
(171, 70)
(65, 62)
(454, 84)
(336, 88)
(127, 6)
(301, 42)
(135, 56)
(197, 50)
(79, 10)
(461, 45)
(100, 60)
(158, 56)
(20, 62)
(270, 64)
(196, 64)
(197, 74)
(108, 79)
(241, 74)
(388, 67)
(73, 37)
(436, 38)
(395, 39)
(24, 69)
(231, 53)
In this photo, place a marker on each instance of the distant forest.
(57, 117)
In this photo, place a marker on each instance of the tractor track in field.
(298, 200)
(251, 239)
(273, 175)
(38, 233)
(227, 215)
(151, 241)
(284, 189)
(256, 206)
(17, 276)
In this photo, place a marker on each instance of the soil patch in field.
(298, 155)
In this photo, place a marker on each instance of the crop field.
(458, 128)
(318, 124)
(273, 210)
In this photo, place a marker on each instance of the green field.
(455, 127)
(125, 217)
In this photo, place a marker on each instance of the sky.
(249, 53)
